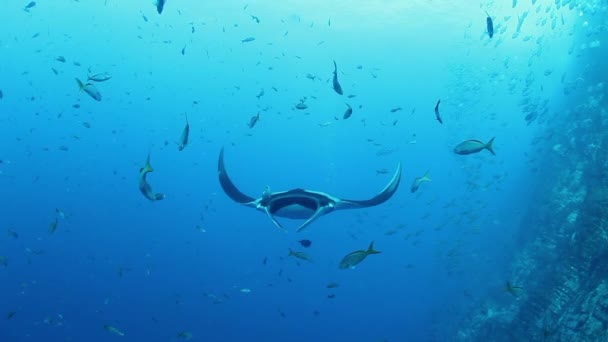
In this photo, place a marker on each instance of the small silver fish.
(183, 139)
(247, 40)
(101, 77)
(113, 330)
(90, 89)
(254, 119)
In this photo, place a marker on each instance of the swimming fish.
(254, 120)
(348, 112)
(473, 146)
(299, 255)
(144, 187)
(305, 243)
(113, 330)
(53, 226)
(490, 25)
(90, 89)
(29, 6)
(256, 19)
(102, 77)
(185, 335)
(183, 140)
(337, 86)
(354, 258)
(1, 95)
(247, 40)
(60, 213)
(301, 204)
(3, 261)
(332, 285)
(437, 115)
(512, 289)
(160, 5)
(260, 94)
(419, 180)
(301, 105)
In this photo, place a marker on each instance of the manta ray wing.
(380, 198)
(229, 188)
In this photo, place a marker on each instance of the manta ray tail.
(229, 188)
(380, 198)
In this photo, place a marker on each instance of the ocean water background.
(154, 270)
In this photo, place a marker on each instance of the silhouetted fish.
(437, 115)
(348, 112)
(337, 86)
(160, 5)
(305, 243)
(490, 25)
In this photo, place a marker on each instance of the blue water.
(194, 262)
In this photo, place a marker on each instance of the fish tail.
(80, 84)
(371, 250)
(427, 176)
(147, 168)
(490, 147)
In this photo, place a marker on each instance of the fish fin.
(490, 147)
(147, 168)
(371, 250)
(159, 196)
(488, 14)
(427, 176)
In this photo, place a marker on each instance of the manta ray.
(301, 204)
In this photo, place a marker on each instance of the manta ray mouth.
(294, 211)
(293, 207)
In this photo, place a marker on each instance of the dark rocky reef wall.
(562, 259)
